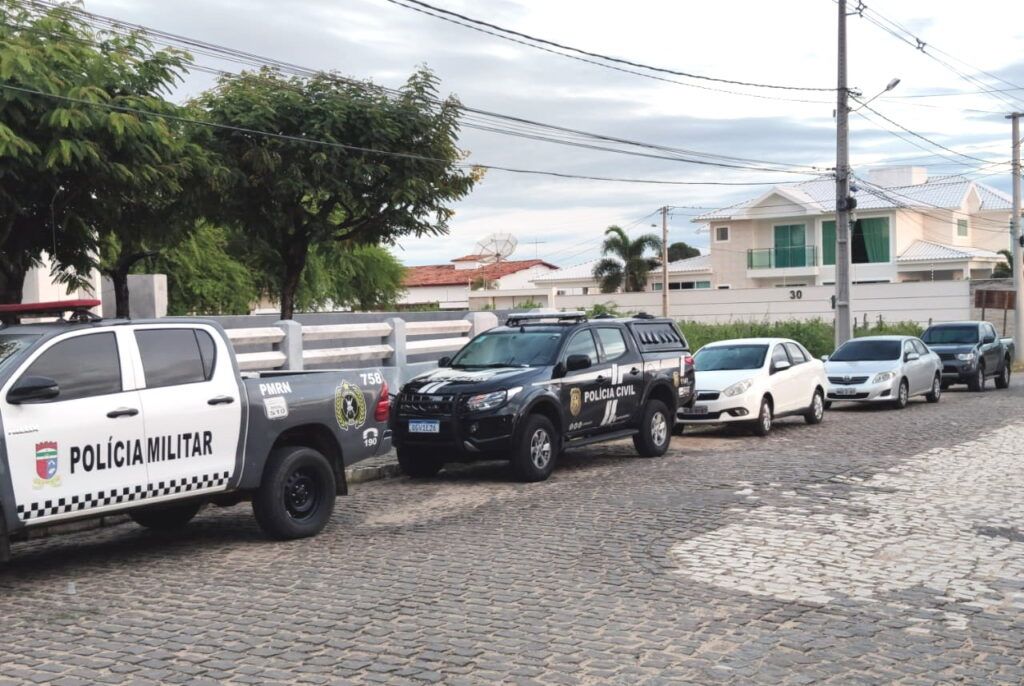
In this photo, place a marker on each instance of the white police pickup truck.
(153, 418)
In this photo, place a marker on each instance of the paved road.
(880, 546)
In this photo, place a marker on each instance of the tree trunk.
(119, 277)
(294, 261)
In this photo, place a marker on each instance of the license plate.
(699, 409)
(846, 391)
(424, 426)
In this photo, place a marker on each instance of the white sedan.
(755, 381)
(884, 369)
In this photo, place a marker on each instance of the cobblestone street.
(878, 547)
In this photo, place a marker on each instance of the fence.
(400, 348)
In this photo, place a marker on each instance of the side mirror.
(780, 365)
(575, 363)
(910, 357)
(33, 389)
(445, 361)
(988, 340)
(824, 358)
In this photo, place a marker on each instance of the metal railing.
(782, 258)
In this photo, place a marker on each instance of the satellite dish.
(495, 247)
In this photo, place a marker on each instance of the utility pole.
(844, 203)
(664, 261)
(1015, 236)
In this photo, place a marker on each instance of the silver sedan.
(885, 369)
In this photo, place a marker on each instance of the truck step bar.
(600, 438)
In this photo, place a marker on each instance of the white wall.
(39, 287)
(454, 294)
(523, 278)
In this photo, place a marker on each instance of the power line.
(432, 10)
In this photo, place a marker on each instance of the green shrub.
(816, 335)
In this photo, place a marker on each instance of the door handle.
(634, 371)
(600, 379)
(221, 400)
(122, 412)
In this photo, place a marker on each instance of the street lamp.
(864, 103)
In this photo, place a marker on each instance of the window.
(702, 284)
(791, 245)
(721, 234)
(961, 228)
(796, 353)
(83, 366)
(586, 290)
(657, 286)
(869, 241)
(779, 355)
(582, 344)
(920, 347)
(613, 342)
(990, 331)
(175, 356)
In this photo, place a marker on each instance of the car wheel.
(763, 426)
(533, 458)
(296, 497)
(828, 404)
(902, 395)
(816, 413)
(418, 464)
(936, 393)
(977, 382)
(166, 517)
(1003, 380)
(655, 431)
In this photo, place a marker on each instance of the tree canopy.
(625, 265)
(681, 250)
(327, 179)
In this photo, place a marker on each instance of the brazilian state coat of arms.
(349, 406)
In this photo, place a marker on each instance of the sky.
(788, 42)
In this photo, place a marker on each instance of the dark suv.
(543, 383)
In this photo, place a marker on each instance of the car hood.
(952, 348)
(860, 368)
(448, 380)
(722, 379)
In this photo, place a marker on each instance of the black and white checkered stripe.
(117, 496)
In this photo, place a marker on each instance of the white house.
(691, 273)
(449, 285)
(908, 227)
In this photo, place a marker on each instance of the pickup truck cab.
(543, 383)
(971, 353)
(153, 418)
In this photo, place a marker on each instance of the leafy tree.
(69, 149)
(681, 250)
(626, 268)
(1004, 270)
(361, 277)
(203, 277)
(292, 197)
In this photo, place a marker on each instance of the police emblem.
(349, 406)
(46, 465)
(575, 401)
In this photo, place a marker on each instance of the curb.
(360, 475)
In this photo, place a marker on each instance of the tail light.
(383, 410)
(688, 360)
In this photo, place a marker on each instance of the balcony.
(800, 260)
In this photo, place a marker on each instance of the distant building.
(448, 285)
(693, 272)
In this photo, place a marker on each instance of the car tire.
(935, 395)
(296, 497)
(166, 517)
(417, 464)
(977, 382)
(678, 429)
(902, 395)
(1003, 380)
(816, 413)
(765, 418)
(828, 404)
(533, 457)
(655, 430)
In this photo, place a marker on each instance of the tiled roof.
(700, 263)
(927, 251)
(939, 192)
(448, 275)
(469, 258)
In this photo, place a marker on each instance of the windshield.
(13, 343)
(510, 349)
(951, 335)
(722, 357)
(867, 351)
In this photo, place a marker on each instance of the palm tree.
(1004, 271)
(624, 265)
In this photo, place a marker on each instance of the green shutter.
(828, 242)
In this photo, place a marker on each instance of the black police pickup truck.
(971, 353)
(542, 383)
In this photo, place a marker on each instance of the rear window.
(175, 356)
(613, 342)
(868, 351)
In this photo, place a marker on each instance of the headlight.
(882, 377)
(489, 401)
(965, 357)
(738, 387)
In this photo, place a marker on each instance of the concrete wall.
(147, 296)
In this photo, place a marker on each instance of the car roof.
(751, 341)
(899, 337)
(58, 327)
(963, 323)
